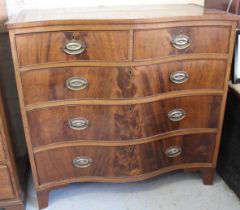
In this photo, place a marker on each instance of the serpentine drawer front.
(120, 162)
(124, 122)
(121, 94)
(68, 83)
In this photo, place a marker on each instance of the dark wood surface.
(223, 5)
(125, 82)
(111, 123)
(129, 120)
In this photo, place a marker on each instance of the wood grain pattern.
(48, 47)
(123, 161)
(157, 43)
(125, 82)
(6, 188)
(122, 122)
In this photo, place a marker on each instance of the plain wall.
(14, 6)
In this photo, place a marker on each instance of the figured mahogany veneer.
(126, 82)
(101, 46)
(123, 122)
(156, 43)
(121, 162)
(141, 92)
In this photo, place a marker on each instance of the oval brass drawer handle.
(78, 123)
(82, 162)
(173, 151)
(181, 42)
(74, 47)
(76, 83)
(179, 77)
(176, 115)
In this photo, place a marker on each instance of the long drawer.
(157, 43)
(122, 161)
(47, 47)
(6, 189)
(122, 122)
(76, 83)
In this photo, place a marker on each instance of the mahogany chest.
(119, 94)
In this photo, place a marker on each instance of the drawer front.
(157, 43)
(104, 122)
(40, 48)
(123, 161)
(6, 189)
(94, 82)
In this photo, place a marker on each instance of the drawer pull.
(181, 42)
(76, 83)
(173, 151)
(82, 162)
(78, 124)
(74, 47)
(176, 115)
(179, 77)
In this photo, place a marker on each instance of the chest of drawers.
(121, 94)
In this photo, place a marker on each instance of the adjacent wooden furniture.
(13, 154)
(230, 5)
(119, 94)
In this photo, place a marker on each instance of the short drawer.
(157, 43)
(75, 83)
(94, 163)
(122, 122)
(40, 48)
(6, 188)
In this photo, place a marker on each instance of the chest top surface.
(116, 15)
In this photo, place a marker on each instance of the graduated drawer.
(122, 122)
(76, 83)
(106, 162)
(47, 47)
(157, 43)
(6, 188)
